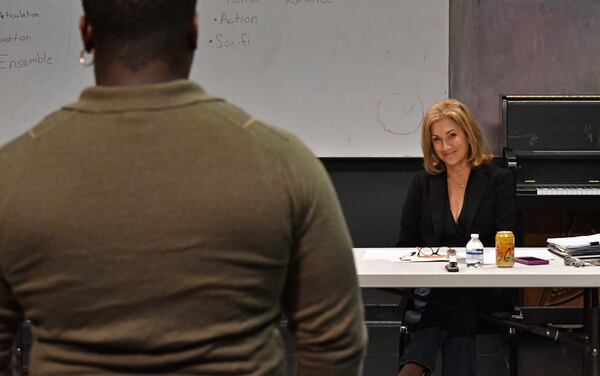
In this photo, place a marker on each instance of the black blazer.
(489, 207)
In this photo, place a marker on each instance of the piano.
(552, 145)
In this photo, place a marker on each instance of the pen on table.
(407, 257)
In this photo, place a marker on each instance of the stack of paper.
(579, 246)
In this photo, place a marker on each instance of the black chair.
(404, 317)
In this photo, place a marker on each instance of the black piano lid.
(551, 125)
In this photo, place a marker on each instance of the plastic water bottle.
(474, 252)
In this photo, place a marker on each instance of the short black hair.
(137, 31)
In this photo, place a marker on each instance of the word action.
(235, 19)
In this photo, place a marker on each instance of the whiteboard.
(39, 61)
(351, 78)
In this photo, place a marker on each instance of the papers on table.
(386, 254)
(575, 241)
(580, 246)
(415, 257)
(400, 255)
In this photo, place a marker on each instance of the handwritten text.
(239, 2)
(220, 41)
(40, 58)
(20, 14)
(299, 2)
(236, 19)
(14, 38)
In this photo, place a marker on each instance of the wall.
(521, 47)
(372, 193)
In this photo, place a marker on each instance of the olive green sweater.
(158, 230)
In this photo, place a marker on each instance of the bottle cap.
(476, 236)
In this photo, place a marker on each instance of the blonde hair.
(454, 110)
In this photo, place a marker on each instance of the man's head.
(134, 33)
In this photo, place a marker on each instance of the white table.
(376, 273)
(386, 274)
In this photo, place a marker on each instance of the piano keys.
(552, 144)
(567, 191)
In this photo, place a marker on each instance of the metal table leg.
(591, 366)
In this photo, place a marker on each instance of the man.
(152, 229)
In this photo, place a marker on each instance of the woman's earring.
(83, 61)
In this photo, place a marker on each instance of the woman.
(458, 194)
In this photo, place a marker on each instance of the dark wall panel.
(521, 47)
(372, 193)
